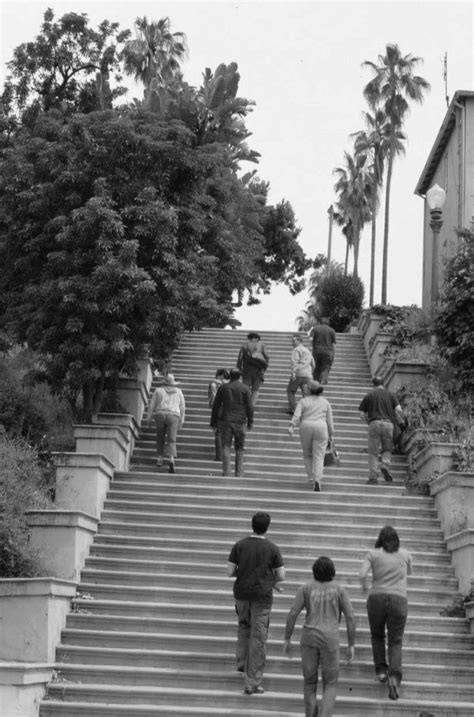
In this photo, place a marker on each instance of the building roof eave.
(440, 142)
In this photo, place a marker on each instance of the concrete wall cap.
(83, 460)
(34, 587)
(118, 419)
(460, 540)
(452, 479)
(61, 519)
(99, 430)
(25, 673)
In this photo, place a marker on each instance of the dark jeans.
(390, 611)
(229, 431)
(323, 362)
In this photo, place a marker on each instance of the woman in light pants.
(313, 415)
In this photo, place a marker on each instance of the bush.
(24, 487)
(454, 325)
(340, 298)
(30, 409)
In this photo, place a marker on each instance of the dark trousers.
(387, 611)
(323, 362)
(229, 431)
(254, 619)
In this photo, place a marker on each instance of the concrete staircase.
(153, 628)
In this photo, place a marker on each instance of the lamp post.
(435, 196)
(331, 216)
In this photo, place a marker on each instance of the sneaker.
(159, 462)
(317, 487)
(171, 467)
(381, 676)
(393, 688)
(371, 481)
(386, 474)
(254, 690)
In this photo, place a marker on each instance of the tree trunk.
(346, 262)
(386, 226)
(372, 250)
(355, 244)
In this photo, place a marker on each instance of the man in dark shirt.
(378, 409)
(232, 412)
(257, 565)
(252, 361)
(324, 342)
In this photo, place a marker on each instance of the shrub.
(30, 409)
(338, 297)
(24, 487)
(454, 325)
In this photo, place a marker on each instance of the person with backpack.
(252, 362)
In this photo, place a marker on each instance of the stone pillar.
(133, 396)
(32, 614)
(111, 441)
(126, 422)
(461, 547)
(454, 500)
(64, 538)
(82, 481)
(22, 687)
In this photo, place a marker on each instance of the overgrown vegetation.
(24, 486)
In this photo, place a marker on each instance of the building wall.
(455, 173)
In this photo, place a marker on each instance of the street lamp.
(435, 196)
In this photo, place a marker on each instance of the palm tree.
(372, 146)
(354, 187)
(391, 89)
(156, 52)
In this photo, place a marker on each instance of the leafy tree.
(393, 85)
(118, 233)
(354, 187)
(67, 66)
(454, 324)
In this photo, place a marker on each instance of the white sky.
(301, 63)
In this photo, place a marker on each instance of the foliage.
(155, 53)
(333, 295)
(454, 325)
(23, 488)
(354, 189)
(68, 67)
(29, 408)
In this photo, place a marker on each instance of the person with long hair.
(313, 415)
(324, 601)
(387, 604)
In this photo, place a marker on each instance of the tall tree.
(156, 53)
(354, 186)
(372, 145)
(392, 87)
(67, 66)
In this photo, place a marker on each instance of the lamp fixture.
(436, 196)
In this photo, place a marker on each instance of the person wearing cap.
(167, 407)
(379, 409)
(252, 362)
(313, 416)
(257, 566)
(302, 365)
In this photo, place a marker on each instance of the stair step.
(152, 630)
